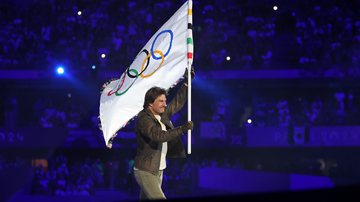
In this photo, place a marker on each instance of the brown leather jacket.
(150, 136)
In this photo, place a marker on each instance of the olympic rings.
(137, 74)
(134, 74)
(146, 59)
(152, 45)
(118, 87)
(118, 94)
(122, 83)
(147, 64)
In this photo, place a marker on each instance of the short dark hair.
(152, 94)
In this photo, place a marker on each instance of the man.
(157, 138)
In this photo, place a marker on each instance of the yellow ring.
(142, 66)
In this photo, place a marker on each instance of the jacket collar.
(147, 110)
(164, 119)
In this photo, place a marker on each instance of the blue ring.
(167, 52)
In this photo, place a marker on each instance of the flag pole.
(190, 53)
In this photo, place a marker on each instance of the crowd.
(320, 36)
(59, 177)
(264, 107)
(65, 175)
(335, 108)
(219, 122)
(83, 176)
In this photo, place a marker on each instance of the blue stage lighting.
(60, 70)
(93, 67)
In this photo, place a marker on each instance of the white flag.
(161, 62)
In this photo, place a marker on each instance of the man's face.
(159, 105)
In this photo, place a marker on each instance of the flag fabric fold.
(161, 62)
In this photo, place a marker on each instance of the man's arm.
(177, 102)
(146, 126)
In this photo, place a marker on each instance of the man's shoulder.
(144, 119)
(142, 113)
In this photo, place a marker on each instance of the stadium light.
(60, 70)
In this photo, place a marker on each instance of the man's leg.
(149, 184)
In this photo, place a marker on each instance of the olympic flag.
(161, 62)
